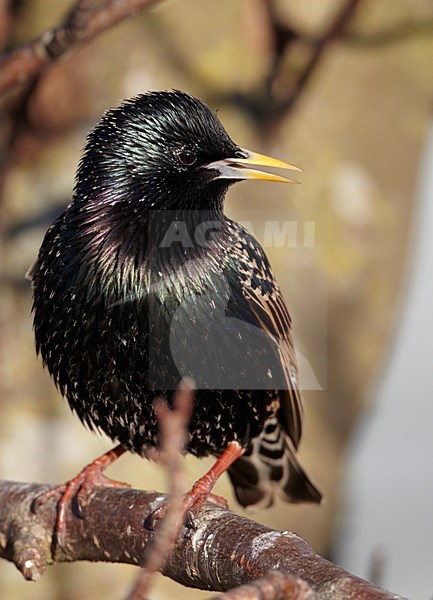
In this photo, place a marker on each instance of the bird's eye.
(187, 157)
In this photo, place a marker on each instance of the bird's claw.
(189, 520)
(76, 492)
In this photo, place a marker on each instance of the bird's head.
(164, 150)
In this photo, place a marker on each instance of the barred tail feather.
(271, 471)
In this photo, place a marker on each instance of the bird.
(143, 282)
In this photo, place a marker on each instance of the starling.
(143, 282)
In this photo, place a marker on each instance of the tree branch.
(267, 108)
(87, 19)
(224, 550)
(334, 31)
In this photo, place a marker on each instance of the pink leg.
(201, 490)
(91, 476)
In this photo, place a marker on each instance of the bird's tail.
(270, 471)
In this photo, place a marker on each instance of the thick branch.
(223, 550)
(86, 20)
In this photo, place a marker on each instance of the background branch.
(223, 551)
(264, 106)
(87, 19)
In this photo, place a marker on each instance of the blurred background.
(343, 89)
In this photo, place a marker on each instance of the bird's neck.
(126, 247)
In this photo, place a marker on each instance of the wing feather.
(267, 304)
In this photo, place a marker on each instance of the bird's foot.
(78, 489)
(201, 491)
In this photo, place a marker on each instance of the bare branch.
(263, 105)
(173, 425)
(86, 20)
(334, 31)
(223, 551)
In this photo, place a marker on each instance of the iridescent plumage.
(143, 280)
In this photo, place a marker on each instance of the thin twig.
(333, 32)
(173, 426)
(267, 108)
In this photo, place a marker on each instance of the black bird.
(143, 281)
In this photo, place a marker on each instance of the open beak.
(238, 167)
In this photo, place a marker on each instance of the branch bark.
(222, 551)
(87, 19)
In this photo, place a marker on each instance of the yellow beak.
(237, 167)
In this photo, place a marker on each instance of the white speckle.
(263, 542)
(96, 541)
(128, 530)
(269, 373)
(29, 564)
(159, 273)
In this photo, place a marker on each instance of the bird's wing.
(266, 302)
